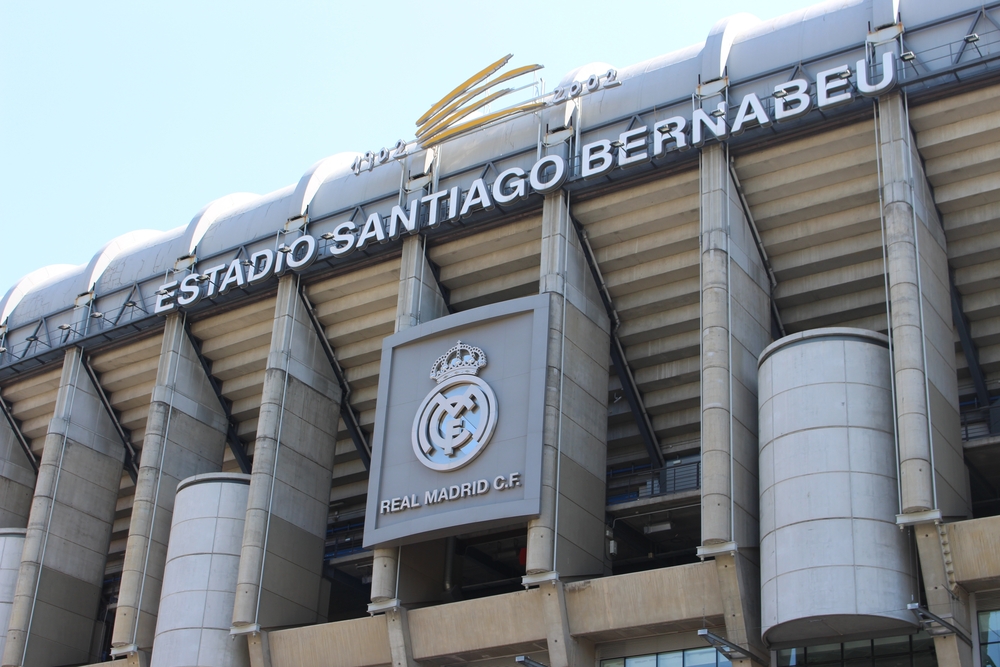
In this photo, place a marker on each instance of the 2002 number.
(594, 83)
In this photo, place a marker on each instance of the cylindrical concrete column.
(716, 482)
(833, 562)
(385, 566)
(916, 471)
(11, 545)
(199, 580)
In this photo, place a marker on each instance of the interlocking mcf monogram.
(457, 418)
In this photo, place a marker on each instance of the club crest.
(457, 418)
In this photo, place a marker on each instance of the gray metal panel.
(259, 217)
(715, 55)
(647, 84)
(59, 294)
(314, 178)
(29, 282)
(917, 12)
(343, 190)
(801, 35)
(160, 253)
(145, 260)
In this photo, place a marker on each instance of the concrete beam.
(346, 411)
(131, 458)
(232, 435)
(15, 429)
(666, 600)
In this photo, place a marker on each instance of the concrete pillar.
(11, 546)
(932, 476)
(185, 436)
(568, 536)
(922, 328)
(398, 628)
(66, 545)
(735, 329)
(904, 293)
(17, 480)
(281, 561)
(945, 598)
(420, 298)
(564, 649)
(419, 301)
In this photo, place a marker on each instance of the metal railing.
(344, 540)
(641, 481)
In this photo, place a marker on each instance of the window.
(904, 651)
(693, 657)
(989, 638)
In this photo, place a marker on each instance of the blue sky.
(117, 116)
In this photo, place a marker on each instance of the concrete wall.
(735, 329)
(62, 566)
(11, 546)
(667, 600)
(17, 480)
(185, 436)
(568, 537)
(281, 561)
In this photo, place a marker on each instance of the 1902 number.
(371, 158)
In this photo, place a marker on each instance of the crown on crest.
(460, 360)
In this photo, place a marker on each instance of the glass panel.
(925, 659)
(790, 657)
(922, 642)
(824, 653)
(989, 627)
(672, 659)
(723, 660)
(641, 661)
(613, 662)
(859, 662)
(991, 655)
(891, 645)
(860, 649)
(700, 657)
(893, 661)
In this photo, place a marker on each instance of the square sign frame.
(408, 500)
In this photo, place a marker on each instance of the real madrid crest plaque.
(458, 424)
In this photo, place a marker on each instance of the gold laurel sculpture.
(439, 122)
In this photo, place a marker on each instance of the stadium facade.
(687, 363)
